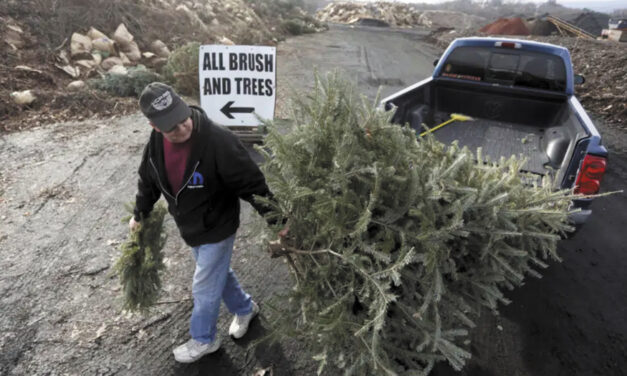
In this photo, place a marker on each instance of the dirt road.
(62, 192)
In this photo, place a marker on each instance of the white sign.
(237, 83)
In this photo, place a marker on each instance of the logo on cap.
(163, 101)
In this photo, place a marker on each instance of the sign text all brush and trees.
(237, 83)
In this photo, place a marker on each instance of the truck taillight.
(590, 175)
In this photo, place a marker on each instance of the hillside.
(40, 39)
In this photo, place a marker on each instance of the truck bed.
(497, 139)
(543, 128)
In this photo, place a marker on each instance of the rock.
(226, 41)
(73, 71)
(63, 58)
(80, 46)
(94, 33)
(126, 43)
(132, 51)
(97, 58)
(118, 69)
(182, 8)
(263, 372)
(110, 62)
(122, 36)
(76, 85)
(86, 63)
(125, 59)
(148, 55)
(103, 45)
(215, 22)
(158, 62)
(159, 48)
(24, 97)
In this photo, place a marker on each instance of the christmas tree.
(396, 242)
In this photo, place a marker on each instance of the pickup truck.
(520, 97)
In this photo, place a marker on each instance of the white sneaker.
(193, 350)
(239, 326)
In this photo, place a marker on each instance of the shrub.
(126, 85)
(181, 70)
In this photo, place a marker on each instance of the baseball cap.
(163, 107)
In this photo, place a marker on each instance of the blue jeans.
(214, 281)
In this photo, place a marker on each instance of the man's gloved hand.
(283, 233)
(278, 247)
(133, 224)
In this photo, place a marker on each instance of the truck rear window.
(506, 67)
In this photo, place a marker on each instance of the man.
(202, 170)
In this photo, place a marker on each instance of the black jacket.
(219, 172)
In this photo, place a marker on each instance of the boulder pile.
(437, 19)
(94, 52)
(243, 21)
(205, 13)
(397, 15)
(394, 14)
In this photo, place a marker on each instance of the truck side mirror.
(435, 62)
(579, 79)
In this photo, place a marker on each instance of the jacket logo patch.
(197, 179)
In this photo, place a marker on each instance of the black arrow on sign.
(227, 110)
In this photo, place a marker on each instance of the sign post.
(237, 84)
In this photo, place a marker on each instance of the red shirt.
(175, 156)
